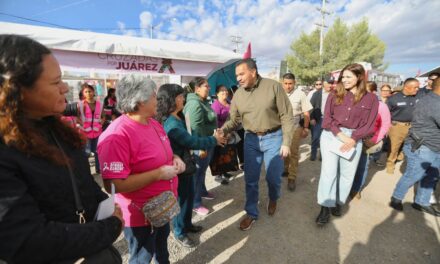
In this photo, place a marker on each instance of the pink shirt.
(383, 123)
(222, 112)
(127, 147)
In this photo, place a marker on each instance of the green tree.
(342, 45)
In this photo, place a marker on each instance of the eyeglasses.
(318, 83)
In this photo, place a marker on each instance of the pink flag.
(248, 53)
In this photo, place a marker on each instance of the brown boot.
(246, 223)
(271, 207)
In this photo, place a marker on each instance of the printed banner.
(132, 63)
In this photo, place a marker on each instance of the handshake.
(221, 138)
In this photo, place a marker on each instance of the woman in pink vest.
(91, 117)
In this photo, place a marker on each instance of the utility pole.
(321, 26)
(237, 40)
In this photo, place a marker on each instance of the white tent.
(426, 74)
(116, 53)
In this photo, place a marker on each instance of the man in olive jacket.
(264, 110)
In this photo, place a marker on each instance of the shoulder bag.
(160, 209)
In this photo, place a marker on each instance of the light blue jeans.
(419, 163)
(337, 173)
(256, 149)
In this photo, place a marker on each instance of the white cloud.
(201, 7)
(217, 4)
(121, 27)
(146, 22)
(408, 27)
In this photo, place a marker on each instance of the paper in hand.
(335, 147)
(106, 207)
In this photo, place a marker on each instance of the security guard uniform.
(401, 108)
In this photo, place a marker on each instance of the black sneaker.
(396, 204)
(324, 216)
(185, 241)
(336, 211)
(426, 209)
(194, 229)
(379, 163)
(227, 175)
(225, 181)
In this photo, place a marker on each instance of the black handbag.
(109, 255)
(190, 164)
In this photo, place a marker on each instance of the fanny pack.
(161, 209)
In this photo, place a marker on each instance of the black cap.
(329, 79)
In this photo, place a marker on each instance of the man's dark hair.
(434, 74)
(289, 76)
(408, 80)
(251, 64)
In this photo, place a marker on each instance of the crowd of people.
(152, 147)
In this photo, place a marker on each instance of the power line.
(82, 29)
(99, 28)
(34, 20)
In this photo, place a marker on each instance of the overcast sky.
(410, 28)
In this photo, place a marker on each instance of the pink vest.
(91, 122)
(111, 103)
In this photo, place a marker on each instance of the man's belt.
(401, 123)
(265, 132)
